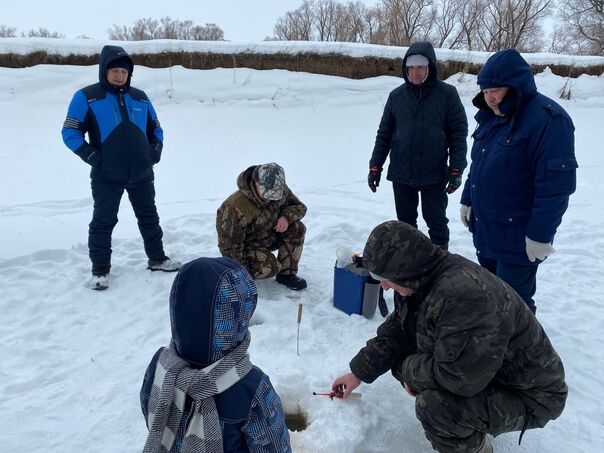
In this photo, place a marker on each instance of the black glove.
(454, 180)
(373, 179)
(157, 147)
(90, 155)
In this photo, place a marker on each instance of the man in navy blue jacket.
(125, 140)
(522, 174)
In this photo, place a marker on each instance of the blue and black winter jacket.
(211, 304)
(121, 124)
(523, 164)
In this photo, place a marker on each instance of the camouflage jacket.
(472, 329)
(244, 220)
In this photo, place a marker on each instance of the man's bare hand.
(344, 385)
(282, 225)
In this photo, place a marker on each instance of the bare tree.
(512, 23)
(470, 18)
(296, 25)
(142, 30)
(374, 29)
(169, 28)
(489, 25)
(343, 26)
(581, 27)
(7, 32)
(324, 19)
(446, 21)
(166, 28)
(209, 32)
(456, 23)
(42, 32)
(356, 22)
(407, 20)
(331, 20)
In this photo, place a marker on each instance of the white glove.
(537, 250)
(465, 213)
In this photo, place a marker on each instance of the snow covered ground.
(73, 359)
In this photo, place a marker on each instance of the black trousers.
(107, 195)
(434, 209)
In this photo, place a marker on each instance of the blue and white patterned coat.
(211, 303)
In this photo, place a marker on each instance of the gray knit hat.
(272, 180)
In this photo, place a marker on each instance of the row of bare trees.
(41, 32)
(165, 28)
(580, 29)
(487, 25)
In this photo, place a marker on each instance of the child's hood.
(211, 303)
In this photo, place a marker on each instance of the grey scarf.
(174, 380)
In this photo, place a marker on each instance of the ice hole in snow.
(296, 421)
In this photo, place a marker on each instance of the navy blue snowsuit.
(522, 174)
(211, 304)
(124, 142)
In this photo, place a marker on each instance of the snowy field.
(73, 359)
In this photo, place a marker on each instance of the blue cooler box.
(353, 293)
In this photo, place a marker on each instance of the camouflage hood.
(402, 254)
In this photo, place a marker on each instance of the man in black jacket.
(424, 129)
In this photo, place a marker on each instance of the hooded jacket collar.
(506, 68)
(109, 54)
(425, 49)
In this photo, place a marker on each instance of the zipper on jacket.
(125, 121)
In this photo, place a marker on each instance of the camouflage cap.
(272, 180)
(398, 252)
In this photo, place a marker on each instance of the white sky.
(241, 20)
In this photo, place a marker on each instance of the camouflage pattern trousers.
(453, 423)
(261, 263)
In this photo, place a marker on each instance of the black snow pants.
(107, 195)
(434, 209)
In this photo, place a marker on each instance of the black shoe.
(163, 264)
(292, 281)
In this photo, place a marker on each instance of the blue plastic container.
(353, 292)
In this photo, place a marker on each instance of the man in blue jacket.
(423, 129)
(125, 140)
(522, 174)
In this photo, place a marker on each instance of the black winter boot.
(100, 277)
(292, 281)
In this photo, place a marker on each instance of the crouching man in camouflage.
(262, 216)
(461, 341)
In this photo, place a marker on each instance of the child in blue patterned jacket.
(201, 393)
